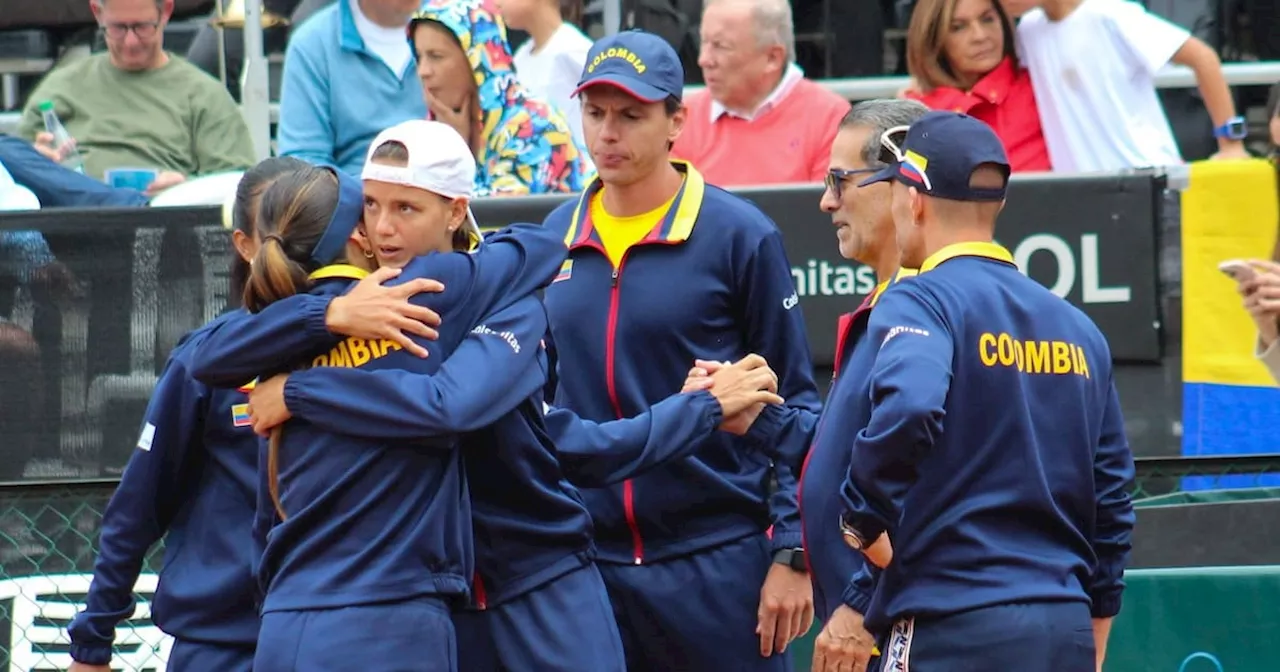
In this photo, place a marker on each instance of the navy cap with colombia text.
(640, 63)
(940, 154)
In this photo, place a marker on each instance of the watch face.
(1236, 129)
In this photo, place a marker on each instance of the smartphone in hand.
(1238, 270)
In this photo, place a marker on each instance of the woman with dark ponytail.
(365, 543)
(194, 478)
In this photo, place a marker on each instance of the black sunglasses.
(835, 178)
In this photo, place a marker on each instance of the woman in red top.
(961, 55)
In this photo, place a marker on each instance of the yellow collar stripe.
(971, 249)
(899, 275)
(346, 271)
(675, 229)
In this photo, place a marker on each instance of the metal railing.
(865, 88)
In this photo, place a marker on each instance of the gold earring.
(368, 254)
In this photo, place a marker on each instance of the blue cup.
(131, 178)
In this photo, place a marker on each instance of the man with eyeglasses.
(990, 481)
(137, 106)
(863, 220)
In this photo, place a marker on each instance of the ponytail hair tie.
(273, 236)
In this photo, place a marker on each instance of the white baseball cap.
(439, 162)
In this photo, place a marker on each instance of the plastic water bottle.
(54, 126)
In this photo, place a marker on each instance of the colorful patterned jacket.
(528, 147)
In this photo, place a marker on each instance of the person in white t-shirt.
(1093, 64)
(550, 62)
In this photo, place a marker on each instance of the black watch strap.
(793, 558)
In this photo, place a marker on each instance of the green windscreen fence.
(1201, 617)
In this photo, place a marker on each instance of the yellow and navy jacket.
(375, 519)
(193, 477)
(711, 281)
(995, 455)
(529, 522)
(840, 574)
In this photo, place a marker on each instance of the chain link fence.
(48, 541)
(1175, 479)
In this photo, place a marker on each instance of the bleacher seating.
(22, 52)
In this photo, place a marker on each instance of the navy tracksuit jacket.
(539, 526)
(995, 455)
(193, 477)
(712, 281)
(840, 574)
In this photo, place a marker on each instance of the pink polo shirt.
(788, 139)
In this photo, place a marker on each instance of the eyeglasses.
(835, 178)
(143, 29)
(904, 158)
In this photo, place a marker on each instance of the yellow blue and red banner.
(1231, 405)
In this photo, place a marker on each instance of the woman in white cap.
(365, 535)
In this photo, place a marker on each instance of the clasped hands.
(742, 388)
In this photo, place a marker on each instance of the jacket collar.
(335, 271)
(675, 226)
(993, 88)
(844, 326)
(993, 251)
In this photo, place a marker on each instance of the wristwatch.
(851, 535)
(793, 558)
(1234, 129)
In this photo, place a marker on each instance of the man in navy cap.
(991, 480)
(663, 270)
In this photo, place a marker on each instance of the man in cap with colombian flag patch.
(991, 480)
(665, 269)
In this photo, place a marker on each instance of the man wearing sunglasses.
(138, 107)
(990, 480)
(863, 221)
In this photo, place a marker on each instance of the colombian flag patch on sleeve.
(240, 415)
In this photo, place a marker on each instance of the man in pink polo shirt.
(759, 121)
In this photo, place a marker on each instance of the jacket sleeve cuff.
(91, 654)
(706, 404)
(313, 313)
(1106, 604)
(857, 597)
(295, 397)
(763, 433)
(781, 540)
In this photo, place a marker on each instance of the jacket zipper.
(843, 325)
(477, 590)
(628, 488)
